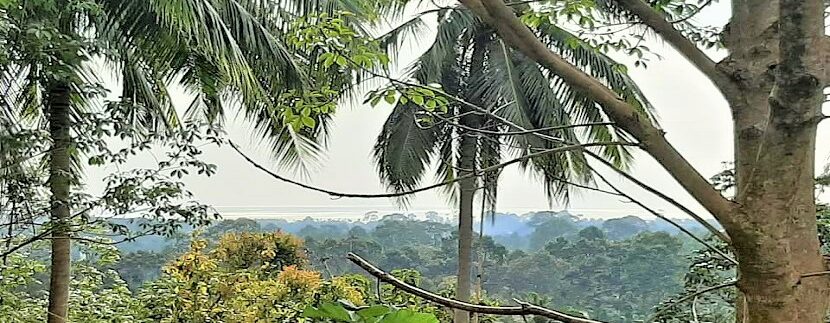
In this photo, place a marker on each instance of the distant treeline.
(616, 269)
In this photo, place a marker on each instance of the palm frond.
(531, 102)
(490, 154)
(447, 159)
(403, 150)
(455, 28)
(410, 30)
(147, 96)
(583, 108)
(231, 55)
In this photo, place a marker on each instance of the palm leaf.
(533, 104)
(403, 151)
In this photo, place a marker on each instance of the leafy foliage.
(373, 314)
(420, 130)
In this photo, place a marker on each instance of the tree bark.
(776, 171)
(59, 184)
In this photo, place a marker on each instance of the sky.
(691, 111)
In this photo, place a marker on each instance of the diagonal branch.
(523, 309)
(712, 229)
(651, 139)
(658, 22)
(537, 133)
(664, 218)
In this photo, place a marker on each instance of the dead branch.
(523, 309)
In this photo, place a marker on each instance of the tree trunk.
(467, 162)
(775, 50)
(467, 188)
(59, 182)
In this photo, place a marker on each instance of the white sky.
(692, 112)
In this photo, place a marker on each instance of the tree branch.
(27, 242)
(664, 218)
(537, 133)
(658, 22)
(425, 188)
(718, 233)
(523, 309)
(692, 296)
(816, 274)
(651, 139)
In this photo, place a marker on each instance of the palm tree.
(468, 62)
(230, 53)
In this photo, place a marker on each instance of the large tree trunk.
(59, 182)
(775, 54)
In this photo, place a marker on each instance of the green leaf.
(419, 100)
(390, 98)
(373, 312)
(336, 312)
(308, 122)
(341, 61)
(312, 312)
(374, 101)
(407, 316)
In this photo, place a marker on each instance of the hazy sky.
(695, 117)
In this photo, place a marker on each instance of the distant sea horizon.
(352, 213)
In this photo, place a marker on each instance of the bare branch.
(587, 187)
(27, 242)
(692, 296)
(664, 218)
(652, 139)
(658, 22)
(425, 188)
(718, 233)
(524, 309)
(816, 274)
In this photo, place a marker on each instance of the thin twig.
(692, 296)
(819, 273)
(29, 241)
(718, 233)
(664, 218)
(694, 310)
(422, 189)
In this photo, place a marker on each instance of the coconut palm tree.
(469, 62)
(231, 54)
